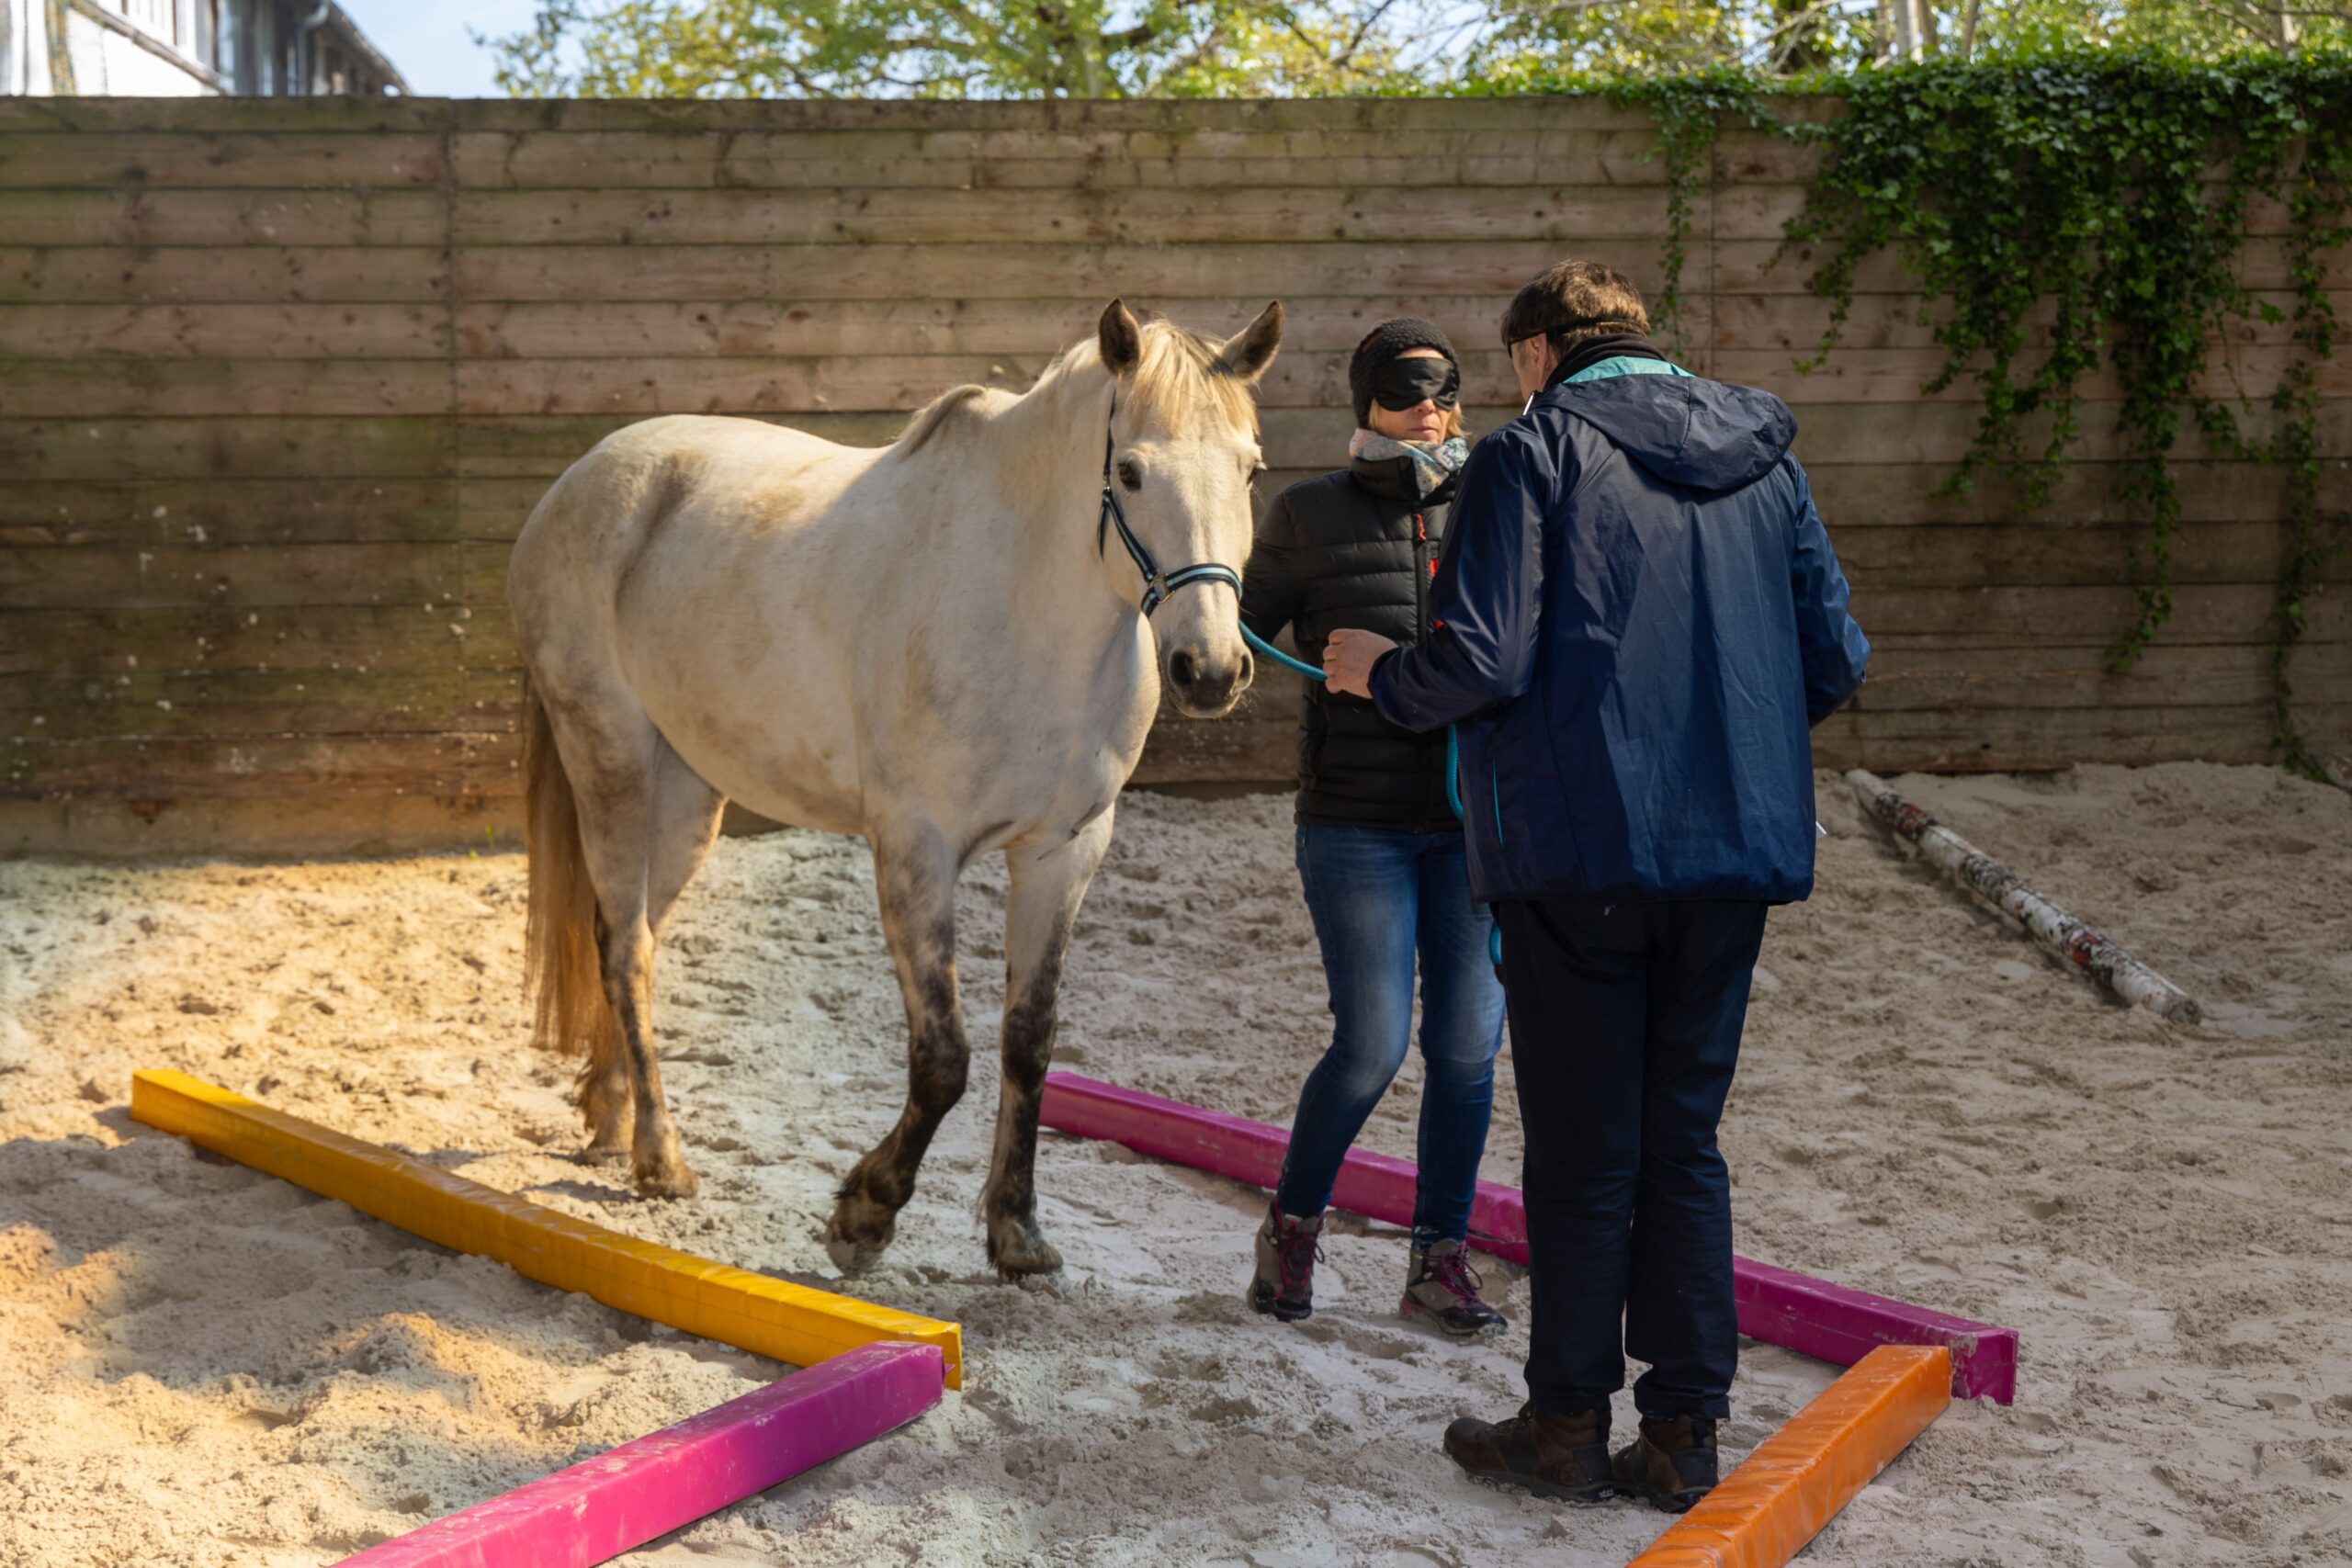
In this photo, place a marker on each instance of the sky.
(428, 41)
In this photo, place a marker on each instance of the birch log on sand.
(2114, 970)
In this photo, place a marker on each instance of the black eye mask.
(1405, 383)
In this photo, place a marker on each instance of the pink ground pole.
(601, 1507)
(1812, 1316)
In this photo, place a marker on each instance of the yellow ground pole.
(770, 1317)
(1763, 1513)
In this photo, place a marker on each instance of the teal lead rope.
(1453, 763)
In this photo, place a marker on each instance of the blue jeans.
(1380, 897)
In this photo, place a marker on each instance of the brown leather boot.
(1564, 1457)
(1672, 1464)
(1283, 1284)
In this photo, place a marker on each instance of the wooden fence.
(280, 379)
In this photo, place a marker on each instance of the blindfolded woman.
(1380, 854)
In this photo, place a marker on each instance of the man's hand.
(1347, 660)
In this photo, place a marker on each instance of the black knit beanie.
(1384, 342)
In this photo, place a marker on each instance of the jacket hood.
(1684, 429)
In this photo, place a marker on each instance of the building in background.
(279, 48)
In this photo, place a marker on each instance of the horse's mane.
(938, 412)
(1182, 378)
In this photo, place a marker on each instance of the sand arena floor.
(206, 1366)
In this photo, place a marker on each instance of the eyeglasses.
(1511, 346)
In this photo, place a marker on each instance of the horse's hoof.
(602, 1153)
(859, 1233)
(1020, 1251)
(674, 1180)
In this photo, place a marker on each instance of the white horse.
(931, 645)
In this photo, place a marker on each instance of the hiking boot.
(1442, 1290)
(1672, 1464)
(1561, 1457)
(1287, 1249)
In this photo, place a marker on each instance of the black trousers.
(1624, 1029)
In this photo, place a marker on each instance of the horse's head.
(1184, 450)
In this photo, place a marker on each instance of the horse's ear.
(1122, 339)
(1249, 351)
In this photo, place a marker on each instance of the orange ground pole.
(768, 1316)
(1762, 1514)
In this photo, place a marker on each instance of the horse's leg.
(682, 821)
(1047, 881)
(915, 879)
(617, 762)
(686, 821)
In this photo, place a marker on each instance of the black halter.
(1156, 585)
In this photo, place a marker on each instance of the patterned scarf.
(1433, 463)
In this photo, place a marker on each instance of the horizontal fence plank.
(406, 637)
(1770, 267)
(197, 576)
(221, 274)
(217, 158)
(1012, 271)
(230, 446)
(674, 117)
(229, 702)
(2203, 613)
(225, 332)
(1866, 374)
(1797, 323)
(284, 117)
(1887, 495)
(227, 510)
(1579, 114)
(573, 164)
(1954, 680)
(679, 328)
(256, 388)
(135, 215)
(1757, 212)
(1554, 211)
(1938, 435)
(261, 767)
(2009, 739)
(1070, 158)
(2016, 555)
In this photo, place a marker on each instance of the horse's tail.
(562, 970)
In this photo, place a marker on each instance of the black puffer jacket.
(1354, 548)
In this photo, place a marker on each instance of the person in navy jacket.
(1639, 618)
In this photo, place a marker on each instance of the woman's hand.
(1347, 660)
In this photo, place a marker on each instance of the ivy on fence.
(2110, 192)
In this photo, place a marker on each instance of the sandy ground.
(206, 1366)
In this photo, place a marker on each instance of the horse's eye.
(1130, 476)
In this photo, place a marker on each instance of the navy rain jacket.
(1640, 618)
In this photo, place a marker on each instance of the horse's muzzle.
(1205, 687)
